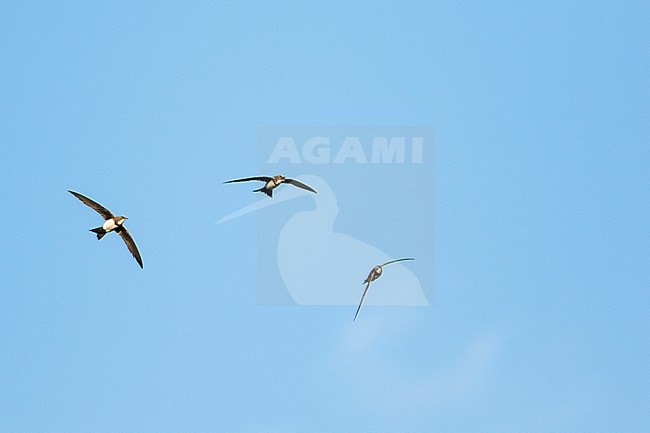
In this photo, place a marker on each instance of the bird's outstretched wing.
(398, 260)
(299, 184)
(105, 213)
(246, 179)
(128, 240)
(361, 302)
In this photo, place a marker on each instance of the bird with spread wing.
(273, 182)
(372, 276)
(111, 223)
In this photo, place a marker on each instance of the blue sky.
(539, 114)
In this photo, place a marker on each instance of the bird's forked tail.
(265, 190)
(99, 231)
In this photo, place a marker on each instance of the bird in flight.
(111, 223)
(273, 182)
(372, 276)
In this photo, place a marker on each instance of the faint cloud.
(379, 386)
(475, 363)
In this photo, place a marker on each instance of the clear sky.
(539, 285)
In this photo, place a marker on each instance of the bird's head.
(120, 220)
